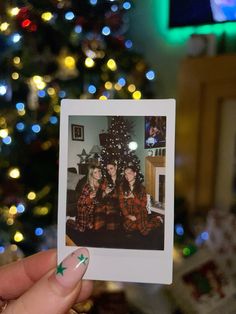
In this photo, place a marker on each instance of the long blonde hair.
(90, 175)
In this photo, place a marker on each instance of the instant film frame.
(135, 264)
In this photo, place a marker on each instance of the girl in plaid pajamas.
(133, 202)
(89, 199)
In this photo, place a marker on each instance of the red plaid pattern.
(136, 206)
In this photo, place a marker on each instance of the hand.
(108, 190)
(131, 195)
(132, 218)
(36, 286)
(92, 195)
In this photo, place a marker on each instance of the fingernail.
(72, 268)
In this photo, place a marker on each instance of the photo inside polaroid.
(116, 182)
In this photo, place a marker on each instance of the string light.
(38, 231)
(36, 128)
(103, 97)
(46, 16)
(7, 140)
(15, 75)
(106, 30)
(16, 60)
(69, 16)
(111, 64)
(31, 196)
(18, 237)
(20, 208)
(89, 63)
(137, 95)
(108, 85)
(3, 133)
(20, 126)
(4, 26)
(14, 173)
(14, 11)
(131, 88)
(69, 62)
(92, 89)
(13, 210)
(150, 75)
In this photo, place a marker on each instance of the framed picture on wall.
(77, 132)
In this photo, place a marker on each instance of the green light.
(186, 251)
(181, 34)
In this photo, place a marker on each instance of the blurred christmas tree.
(51, 50)
(118, 146)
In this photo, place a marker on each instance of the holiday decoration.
(52, 50)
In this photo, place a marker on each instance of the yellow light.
(14, 11)
(4, 26)
(131, 88)
(3, 133)
(56, 108)
(47, 16)
(31, 196)
(16, 60)
(118, 86)
(41, 211)
(89, 63)
(108, 85)
(15, 76)
(14, 247)
(13, 210)
(103, 97)
(10, 221)
(21, 112)
(41, 85)
(14, 173)
(37, 79)
(137, 95)
(111, 64)
(2, 121)
(18, 237)
(46, 145)
(69, 62)
(51, 91)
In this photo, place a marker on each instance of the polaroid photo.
(116, 195)
(202, 286)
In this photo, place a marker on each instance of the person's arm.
(35, 285)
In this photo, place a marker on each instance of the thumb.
(55, 292)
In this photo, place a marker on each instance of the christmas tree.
(51, 50)
(117, 146)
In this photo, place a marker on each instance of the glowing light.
(93, 2)
(92, 89)
(122, 81)
(131, 88)
(69, 62)
(16, 60)
(108, 85)
(3, 133)
(38, 81)
(2, 249)
(111, 64)
(53, 120)
(7, 140)
(14, 11)
(126, 5)
(128, 44)
(14, 173)
(41, 93)
(26, 23)
(18, 237)
(47, 16)
(205, 235)
(78, 29)
(41, 211)
(14, 247)
(4, 26)
(3, 89)
(21, 112)
(36, 128)
(16, 38)
(51, 91)
(20, 208)
(133, 145)
(62, 94)
(114, 8)
(137, 94)
(20, 126)
(15, 75)
(150, 75)
(20, 106)
(56, 108)
(46, 145)
(38, 232)
(13, 210)
(89, 63)
(103, 97)
(31, 196)
(69, 16)
(186, 251)
(117, 86)
(179, 229)
(10, 221)
(106, 31)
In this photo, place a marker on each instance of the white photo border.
(149, 266)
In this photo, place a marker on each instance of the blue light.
(179, 229)
(122, 81)
(106, 31)
(114, 8)
(20, 208)
(150, 75)
(93, 2)
(20, 106)
(78, 29)
(62, 94)
(53, 119)
(3, 89)
(204, 235)
(128, 44)
(92, 89)
(36, 128)
(7, 140)
(2, 249)
(20, 126)
(41, 93)
(16, 37)
(69, 16)
(126, 5)
(38, 232)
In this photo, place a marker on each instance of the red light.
(25, 23)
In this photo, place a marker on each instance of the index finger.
(19, 276)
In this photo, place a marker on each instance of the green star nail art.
(83, 259)
(60, 269)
